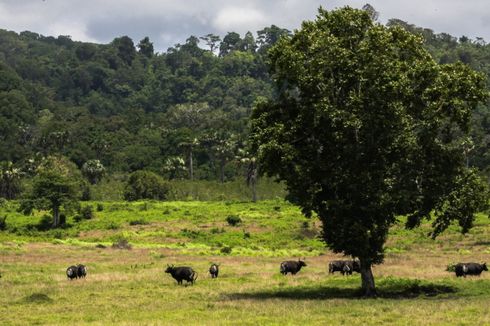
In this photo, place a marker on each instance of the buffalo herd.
(345, 267)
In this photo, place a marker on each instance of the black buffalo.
(182, 273)
(81, 271)
(72, 272)
(344, 266)
(291, 266)
(214, 270)
(463, 269)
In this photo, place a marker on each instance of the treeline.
(182, 114)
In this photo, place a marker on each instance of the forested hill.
(133, 109)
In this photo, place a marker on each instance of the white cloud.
(239, 19)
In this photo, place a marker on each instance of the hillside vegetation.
(133, 108)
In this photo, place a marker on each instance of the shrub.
(86, 193)
(87, 212)
(3, 202)
(145, 185)
(233, 220)
(226, 250)
(216, 230)
(45, 223)
(3, 223)
(100, 207)
(138, 222)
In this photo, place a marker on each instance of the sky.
(168, 22)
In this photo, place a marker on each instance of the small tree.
(10, 186)
(366, 127)
(93, 170)
(252, 170)
(57, 184)
(174, 167)
(145, 185)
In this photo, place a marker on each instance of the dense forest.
(181, 114)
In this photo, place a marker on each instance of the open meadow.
(129, 286)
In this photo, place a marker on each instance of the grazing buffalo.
(344, 266)
(291, 266)
(81, 271)
(463, 269)
(72, 272)
(182, 273)
(214, 270)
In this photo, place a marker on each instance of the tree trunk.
(368, 287)
(191, 165)
(222, 170)
(254, 190)
(56, 216)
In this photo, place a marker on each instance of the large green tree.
(367, 127)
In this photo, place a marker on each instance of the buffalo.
(463, 269)
(81, 271)
(214, 270)
(182, 273)
(291, 266)
(72, 272)
(344, 266)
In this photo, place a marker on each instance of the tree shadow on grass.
(397, 289)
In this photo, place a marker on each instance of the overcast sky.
(168, 22)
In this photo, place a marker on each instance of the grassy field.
(129, 287)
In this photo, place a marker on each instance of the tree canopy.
(366, 127)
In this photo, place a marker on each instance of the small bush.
(45, 223)
(192, 234)
(3, 202)
(145, 185)
(217, 230)
(246, 235)
(86, 193)
(87, 212)
(226, 250)
(112, 226)
(138, 222)
(3, 223)
(233, 220)
(100, 207)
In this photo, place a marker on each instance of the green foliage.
(54, 186)
(10, 184)
(233, 220)
(362, 131)
(145, 185)
(93, 170)
(3, 223)
(87, 212)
